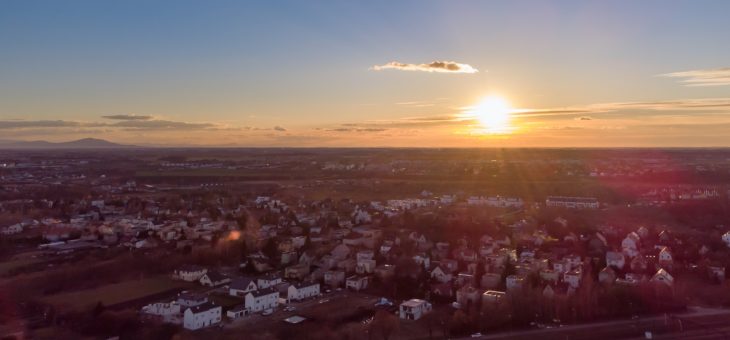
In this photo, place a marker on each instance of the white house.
(572, 278)
(268, 280)
(202, 316)
(361, 216)
(414, 309)
(168, 312)
(440, 275)
(189, 273)
(13, 229)
(260, 300)
(630, 244)
(662, 276)
(241, 286)
(514, 282)
(301, 291)
(615, 259)
(213, 279)
(665, 257)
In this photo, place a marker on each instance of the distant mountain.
(85, 143)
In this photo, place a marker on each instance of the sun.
(493, 114)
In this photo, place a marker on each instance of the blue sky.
(234, 70)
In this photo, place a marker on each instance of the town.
(363, 243)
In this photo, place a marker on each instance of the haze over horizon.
(375, 73)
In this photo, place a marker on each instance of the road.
(696, 323)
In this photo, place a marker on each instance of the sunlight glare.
(493, 114)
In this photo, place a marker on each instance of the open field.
(114, 293)
(7, 266)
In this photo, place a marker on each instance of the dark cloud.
(26, 124)
(161, 125)
(279, 128)
(127, 117)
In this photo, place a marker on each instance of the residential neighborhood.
(208, 260)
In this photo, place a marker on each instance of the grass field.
(114, 293)
(7, 266)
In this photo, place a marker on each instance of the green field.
(114, 293)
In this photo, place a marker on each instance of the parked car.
(268, 312)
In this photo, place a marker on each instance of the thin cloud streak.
(127, 117)
(706, 77)
(435, 66)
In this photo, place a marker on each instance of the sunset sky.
(367, 73)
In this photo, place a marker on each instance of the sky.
(367, 73)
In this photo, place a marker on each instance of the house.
(548, 292)
(440, 275)
(190, 299)
(365, 266)
(414, 309)
(348, 265)
(663, 277)
(726, 238)
(449, 265)
(302, 290)
(13, 229)
(463, 279)
(168, 312)
(549, 275)
(297, 271)
(385, 271)
(443, 289)
(364, 255)
(260, 300)
(665, 237)
(492, 298)
(334, 278)
(665, 257)
(214, 278)
(573, 260)
(236, 312)
(630, 244)
(514, 282)
(572, 202)
(639, 264)
(189, 273)
(465, 254)
(607, 275)
(241, 286)
(561, 266)
(268, 280)
(202, 316)
(573, 277)
(717, 272)
(340, 252)
(386, 247)
(356, 282)
(615, 259)
(490, 280)
(422, 260)
(467, 295)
